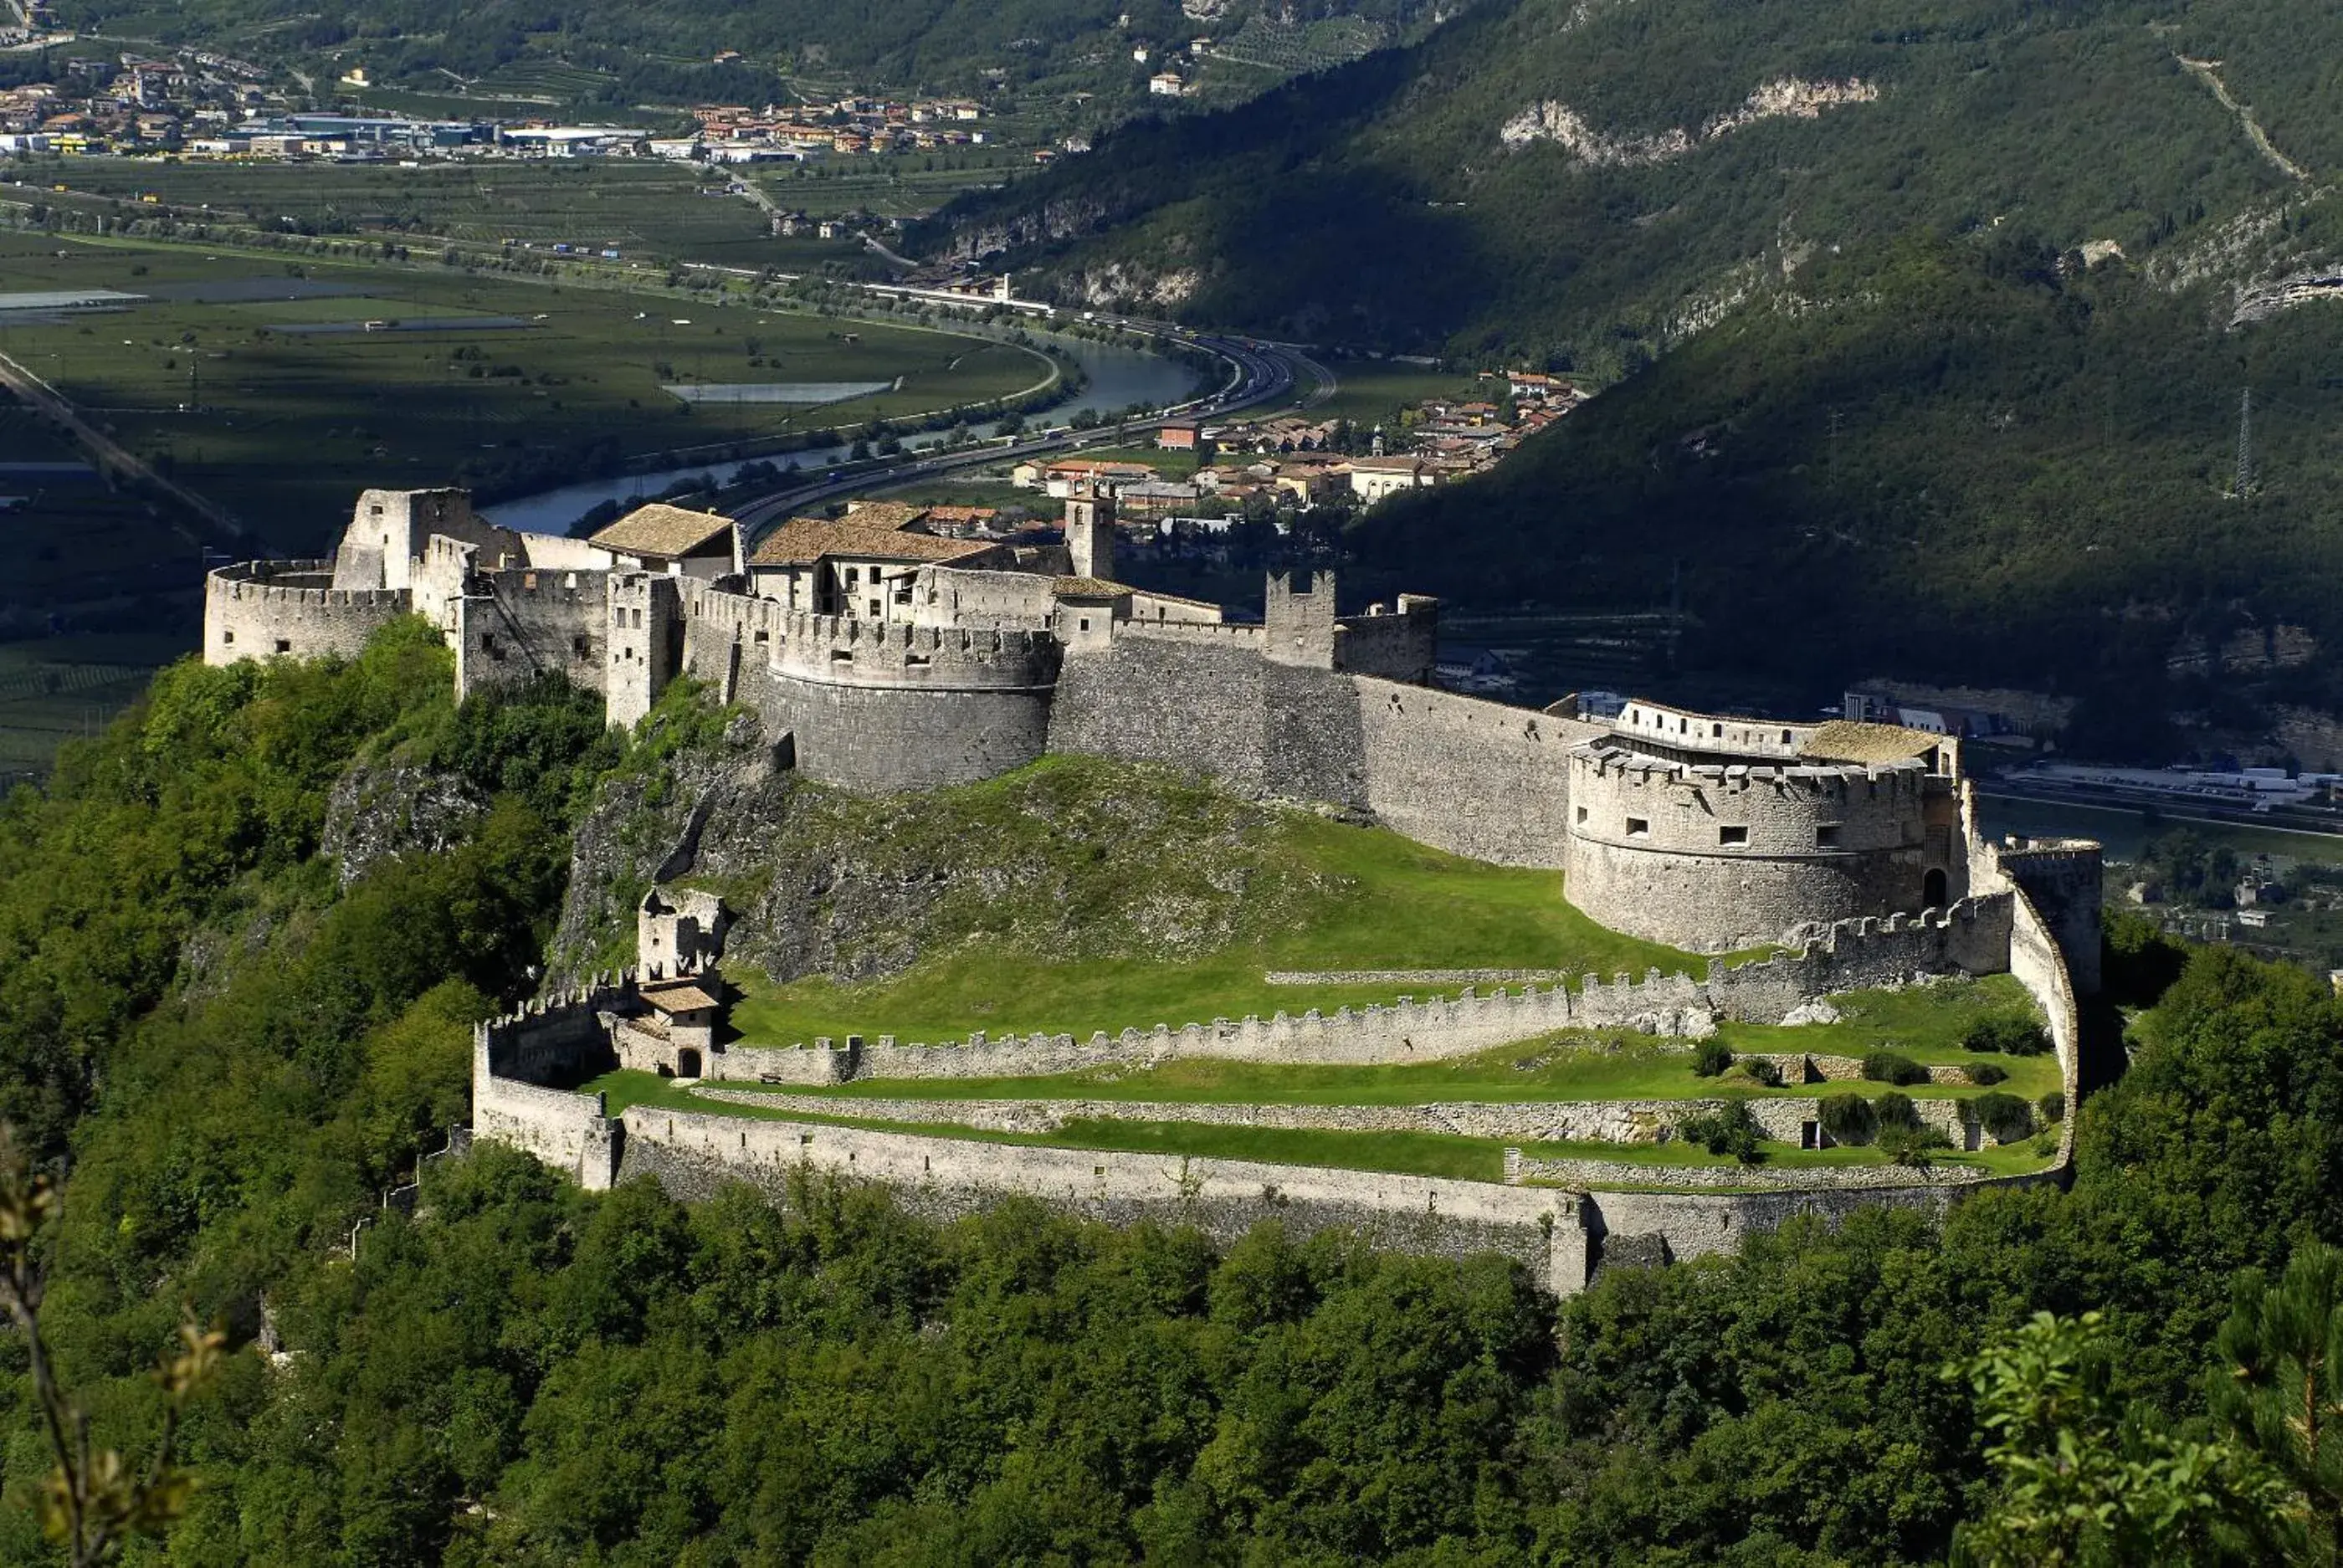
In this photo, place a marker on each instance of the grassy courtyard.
(1925, 1023)
(1370, 900)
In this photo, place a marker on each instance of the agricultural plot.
(284, 426)
(648, 210)
(58, 688)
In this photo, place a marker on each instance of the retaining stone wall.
(691, 1152)
(1971, 938)
(1784, 1117)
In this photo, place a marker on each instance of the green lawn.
(1383, 902)
(1404, 1153)
(1372, 393)
(1923, 1023)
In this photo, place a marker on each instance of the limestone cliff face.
(378, 811)
(1072, 857)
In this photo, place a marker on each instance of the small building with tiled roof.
(845, 565)
(886, 514)
(659, 537)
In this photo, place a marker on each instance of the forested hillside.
(237, 1050)
(1926, 338)
(1577, 183)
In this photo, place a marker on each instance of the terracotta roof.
(1845, 740)
(801, 541)
(884, 514)
(678, 996)
(659, 529)
(1088, 587)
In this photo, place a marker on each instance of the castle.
(883, 657)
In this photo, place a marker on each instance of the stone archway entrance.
(1933, 890)
(687, 1062)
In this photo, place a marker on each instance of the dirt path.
(2206, 71)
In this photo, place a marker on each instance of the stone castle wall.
(1715, 858)
(693, 1155)
(1195, 705)
(1477, 779)
(1788, 1118)
(871, 706)
(264, 609)
(1401, 645)
(1971, 938)
(2063, 880)
(517, 626)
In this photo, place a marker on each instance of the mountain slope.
(1584, 181)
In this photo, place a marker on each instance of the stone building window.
(1731, 836)
(580, 649)
(284, 645)
(1582, 814)
(1826, 836)
(1639, 826)
(228, 638)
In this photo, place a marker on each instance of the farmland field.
(283, 427)
(648, 210)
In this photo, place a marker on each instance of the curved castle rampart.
(1714, 857)
(265, 609)
(875, 707)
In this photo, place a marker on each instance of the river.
(1118, 378)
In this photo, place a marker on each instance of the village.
(205, 106)
(1205, 477)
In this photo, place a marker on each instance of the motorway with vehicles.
(1260, 374)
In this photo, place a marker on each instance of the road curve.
(1261, 373)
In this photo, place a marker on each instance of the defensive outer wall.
(1557, 1218)
(1707, 832)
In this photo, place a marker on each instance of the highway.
(1260, 373)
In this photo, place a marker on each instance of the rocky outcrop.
(377, 811)
(1786, 97)
(1074, 859)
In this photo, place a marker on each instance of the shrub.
(1759, 1069)
(1892, 1067)
(1913, 1146)
(2006, 1116)
(1712, 1059)
(2007, 1034)
(1849, 1118)
(1729, 1129)
(2053, 1106)
(1984, 1073)
(1896, 1110)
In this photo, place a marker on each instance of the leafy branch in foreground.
(2083, 1487)
(92, 1502)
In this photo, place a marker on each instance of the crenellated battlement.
(296, 585)
(844, 650)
